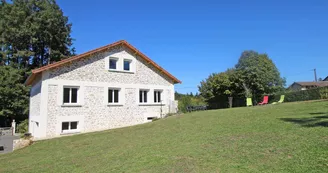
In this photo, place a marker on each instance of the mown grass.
(290, 137)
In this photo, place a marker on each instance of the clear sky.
(192, 39)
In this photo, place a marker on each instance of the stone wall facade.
(93, 69)
(93, 78)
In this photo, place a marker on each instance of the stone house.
(109, 87)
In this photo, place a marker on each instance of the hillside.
(291, 137)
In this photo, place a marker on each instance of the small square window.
(74, 125)
(70, 94)
(112, 64)
(69, 126)
(113, 95)
(65, 126)
(127, 65)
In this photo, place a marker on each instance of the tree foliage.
(33, 33)
(188, 100)
(13, 94)
(259, 74)
(253, 76)
(219, 86)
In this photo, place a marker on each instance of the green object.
(14, 96)
(249, 102)
(310, 94)
(238, 134)
(282, 98)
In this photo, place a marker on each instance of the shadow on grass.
(317, 121)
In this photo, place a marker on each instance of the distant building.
(297, 86)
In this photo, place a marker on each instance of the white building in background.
(109, 87)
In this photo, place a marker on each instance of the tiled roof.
(32, 77)
(318, 84)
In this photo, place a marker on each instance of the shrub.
(22, 127)
(304, 95)
(183, 103)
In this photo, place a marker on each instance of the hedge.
(304, 95)
(291, 96)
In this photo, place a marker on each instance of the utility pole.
(315, 75)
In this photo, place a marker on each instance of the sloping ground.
(291, 137)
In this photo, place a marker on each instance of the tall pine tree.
(33, 33)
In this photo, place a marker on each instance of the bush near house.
(22, 127)
(187, 100)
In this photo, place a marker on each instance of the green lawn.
(291, 137)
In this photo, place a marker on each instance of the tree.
(217, 87)
(259, 74)
(13, 94)
(33, 33)
(254, 75)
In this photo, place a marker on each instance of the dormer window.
(126, 65)
(113, 63)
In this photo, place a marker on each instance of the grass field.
(291, 137)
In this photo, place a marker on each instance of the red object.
(265, 100)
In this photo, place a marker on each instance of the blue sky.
(192, 39)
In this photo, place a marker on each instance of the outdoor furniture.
(196, 108)
(265, 100)
(249, 102)
(282, 98)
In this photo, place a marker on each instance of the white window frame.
(130, 65)
(69, 127)
(119, 96)
(117, 66)
(142, 96)
(156, 101)
(70, 95)
(120, 63)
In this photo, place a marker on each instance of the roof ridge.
(30, 79)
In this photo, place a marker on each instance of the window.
(70, 94)
(112, 63)
(157, 96)
(126, 65)
(113, 95)
(143, 96)
(69, 126)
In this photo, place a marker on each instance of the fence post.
(13, 126)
